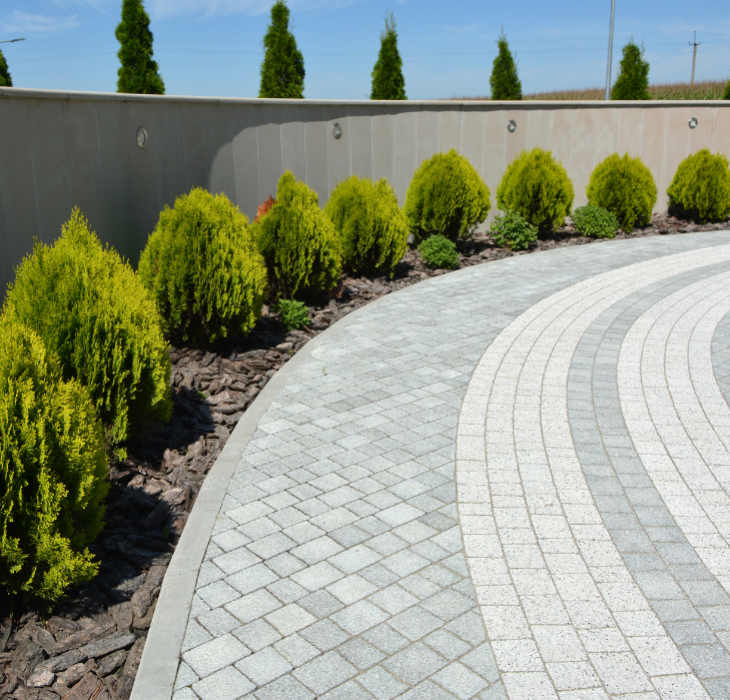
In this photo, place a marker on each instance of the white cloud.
(26, 23)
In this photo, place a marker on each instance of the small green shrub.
(203, 269)
(624, 186)
(52, 472)
(701, 187)
(91, 310)
(446, 196)
(511, 231)
(302, 250)
(537, 187)
(292, 314)
(595, 222)
(372, 226)
(438, 252)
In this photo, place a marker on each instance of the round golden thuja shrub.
(370, 223)
(300, 245)
(700, 189)
(624, 186)
(52, 472)
(446, 197)
(538, 188)
(90, 309)
(203, 269)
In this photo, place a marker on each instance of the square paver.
(414, 664)
(228, 684)
(359, 617)
(325, 672)
(264, 666)
(290, 619)
(215, 655)
(253, 606)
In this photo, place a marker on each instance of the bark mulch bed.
(91, 648)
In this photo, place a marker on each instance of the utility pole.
(610, 51)
(694, 57)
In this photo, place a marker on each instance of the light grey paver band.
(336, 567)
(664, 565)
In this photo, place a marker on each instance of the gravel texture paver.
(354, 556)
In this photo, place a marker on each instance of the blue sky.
(213, 47)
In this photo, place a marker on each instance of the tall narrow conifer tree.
(5, 79)
(282, 70)
(726, 94)
(388, 80)
(138, 73)
(504, 81)
(633, 78)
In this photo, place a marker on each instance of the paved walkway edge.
(158, 668)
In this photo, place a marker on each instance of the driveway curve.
(505, 482)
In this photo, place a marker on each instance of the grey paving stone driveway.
(337, 567)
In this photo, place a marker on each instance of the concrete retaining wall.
(60, 149)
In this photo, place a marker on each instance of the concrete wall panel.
(82, 144)
(115, 149)
(195, 148)
(361, 141)
(293, 155)
(245, 161)
(404, 144)
(427, 134)
(268, 147)
(220, 144)
(54, 190)
(494, 135)
(338, 152)
(516, 141)
(19, 220)
(315, 132)
(170, 166)
(383, 146)
(630, 130)
(721, 132)
(652, 147)
(76, 148)
(145, 182)
(538, 129)
(561, 134)
(449, 130)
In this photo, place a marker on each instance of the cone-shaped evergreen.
(282, 70)
(5, 79)
(138, 73)
(504, 81)
(633, 79)
(388, 80)
(726, 94)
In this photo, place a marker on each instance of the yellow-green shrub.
(370, 223)
(537, 187)
(446, 196)
(52, 471)
(302, 250)
(701, 187)
(624, 186)
(203, 269)
(91, 310)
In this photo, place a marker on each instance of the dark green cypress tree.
(726, 94)
(282, 70)
(504, 81)
(138, 73)
(5, 79)
(388, 80)
(633, 78)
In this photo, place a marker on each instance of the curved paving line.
(358, 429)
(665, 566)
(537, 513)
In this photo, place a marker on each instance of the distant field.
(707, 90)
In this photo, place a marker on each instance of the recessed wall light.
(142, 137)
(693, 123)
(337, 131)
(511, 125)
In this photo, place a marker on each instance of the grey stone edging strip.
(155, 678)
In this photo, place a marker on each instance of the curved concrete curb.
(158, 667)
